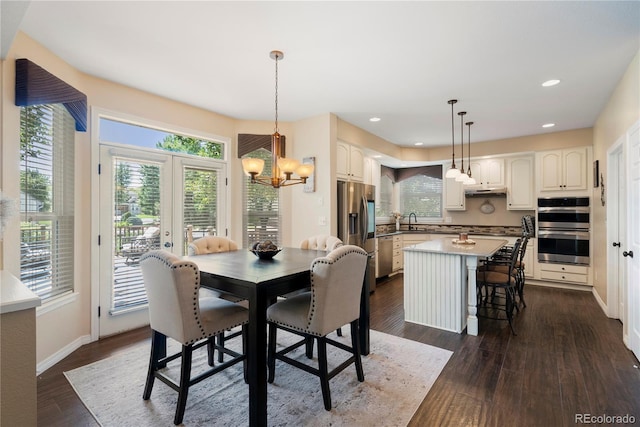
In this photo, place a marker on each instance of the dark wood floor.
(568, 358)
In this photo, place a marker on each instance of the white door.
(633, 251)
(621, 222)
(148, 200)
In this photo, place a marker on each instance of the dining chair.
(214, 245)
(500, 289)
(500, 263)
(176, 311)
(334, 300)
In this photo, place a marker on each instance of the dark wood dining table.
(260, 282)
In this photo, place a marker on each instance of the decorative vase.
(397, 225)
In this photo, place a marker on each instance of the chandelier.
(282, 168)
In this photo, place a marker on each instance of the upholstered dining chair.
(501, 265)
(334, 300)
(500, 288)
(176, 311)
(321, 242)
(214, 245)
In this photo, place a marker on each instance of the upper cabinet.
(520, 193)
(488, 172)
(454, 199)
(563, 170)
(350, 162)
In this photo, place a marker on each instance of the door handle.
(627, 254)
(616, 244)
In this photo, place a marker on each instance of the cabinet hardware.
(627, 254)
(616, 244)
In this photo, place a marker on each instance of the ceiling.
(400, 61)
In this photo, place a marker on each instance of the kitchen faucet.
(415, 217)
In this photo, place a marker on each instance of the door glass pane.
(136, 228)
(200, 204)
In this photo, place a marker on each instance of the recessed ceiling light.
(377, 156)
(374, 119)
(419, 143)
(548, 125)
(551, 82)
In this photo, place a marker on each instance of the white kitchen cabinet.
(349, 162)
(529, 257)
(520, 188)
(563, 170)
(372, 173)
(488, 172)
(453, 194)
(398, 258)
(576, 274)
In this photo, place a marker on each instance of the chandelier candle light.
(281, 167)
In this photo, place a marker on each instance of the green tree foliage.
(35, 140)
(123, 179)
(188, 145)
(149, 196)
(422, 195)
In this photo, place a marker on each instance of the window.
(385, 204)
(47, 199)
(261, 219)
(421, 194)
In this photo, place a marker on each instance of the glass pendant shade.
(304, 170)
(452, 172)
(462, 178)
(252, 166)
(470, 180)
(287, 165)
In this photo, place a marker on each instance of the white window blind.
(261, 218)
(384, 207)
(421, 194)
(47, 199)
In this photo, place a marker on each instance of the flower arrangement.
(396, 215)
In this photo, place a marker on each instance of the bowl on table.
(265, 253)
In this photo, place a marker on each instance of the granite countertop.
(477, 230)
(482, 247)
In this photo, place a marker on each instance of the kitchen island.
(440, 282)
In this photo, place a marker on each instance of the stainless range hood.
(485, 191)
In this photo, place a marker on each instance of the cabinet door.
(550, 172)
(575, 169)
(477, 171)
(493, 171)
(520, 184)
(454, 195)
(342, 160)
(356, 164)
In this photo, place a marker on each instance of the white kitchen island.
(440, 282)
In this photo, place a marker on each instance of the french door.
(149, 200)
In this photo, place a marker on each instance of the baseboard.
(559, 285)
(601, 303)
(62, 353)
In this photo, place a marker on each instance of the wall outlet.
(447, 219)
(322, 220)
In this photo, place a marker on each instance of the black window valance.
(248, 143)
(434, 171)
(37, 86)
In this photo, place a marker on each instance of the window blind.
(47, 199)
(261, 207)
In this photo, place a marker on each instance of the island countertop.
(482, 248)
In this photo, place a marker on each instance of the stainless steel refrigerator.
(357, 221)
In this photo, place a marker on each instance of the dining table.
(260, 282)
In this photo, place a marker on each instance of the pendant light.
(470, 180)
(281, 167)
(453, 172)
(463, 174)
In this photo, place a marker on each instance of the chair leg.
(211, 351)
(308, 343)
(355, 344)
(324, 375)
(245, 343)
(221, 340)
(339, 332)
(271, 352)
(510, 300)
(185, 380)
(158, 350)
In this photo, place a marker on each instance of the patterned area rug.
(398, 375)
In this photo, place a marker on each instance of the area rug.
(398, 375)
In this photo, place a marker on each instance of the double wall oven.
(563, 230)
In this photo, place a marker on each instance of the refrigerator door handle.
(365, 220)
